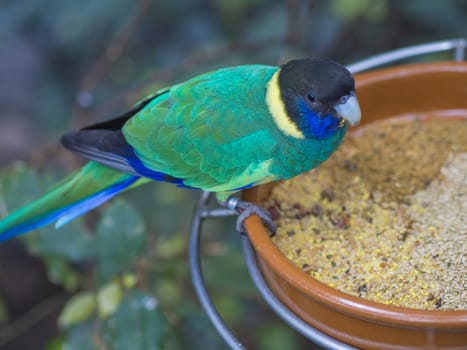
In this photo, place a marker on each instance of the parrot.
(222, 131)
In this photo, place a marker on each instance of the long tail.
(75, 195)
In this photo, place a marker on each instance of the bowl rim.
(324, 294)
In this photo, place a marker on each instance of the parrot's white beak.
(350, 110)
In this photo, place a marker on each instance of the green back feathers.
(199, 131)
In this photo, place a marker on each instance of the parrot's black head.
(317, 97)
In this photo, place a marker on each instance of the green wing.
(214, 131)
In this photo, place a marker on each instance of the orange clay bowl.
(433, 90)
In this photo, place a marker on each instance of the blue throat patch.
(312, 125)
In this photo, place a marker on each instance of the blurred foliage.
(120, 275)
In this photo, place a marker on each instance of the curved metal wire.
(202, 212)
(456, 45)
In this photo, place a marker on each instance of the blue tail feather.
(70, 212)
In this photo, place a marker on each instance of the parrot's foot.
(245, 210)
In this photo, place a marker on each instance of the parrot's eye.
(311, 98)
(344, 99)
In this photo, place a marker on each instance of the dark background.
(65, 64)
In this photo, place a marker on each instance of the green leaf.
(121, 239)
(19, 184)
(129, 280)
(82, 337)
(169, 292)
(171, 246)
(138, 324)
(78, 309)
(274, 335)
(71, 241)
(195, 322)
(108, 298)
(60, 272)
(56, 343)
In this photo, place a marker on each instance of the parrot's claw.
(245, 210)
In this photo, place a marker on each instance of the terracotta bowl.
(433, 90)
